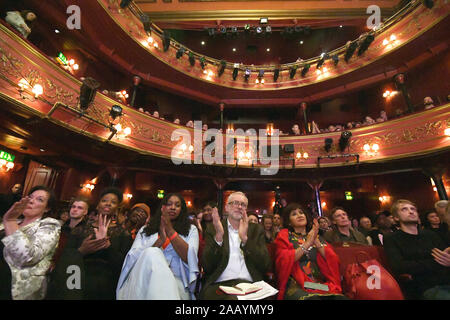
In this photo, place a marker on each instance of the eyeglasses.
(238, 203)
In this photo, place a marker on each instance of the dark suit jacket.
(215, 257)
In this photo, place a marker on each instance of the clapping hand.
(217, 225)
(243, 228)
(16, 209)
(90, 245)
(311, 238)
(441, 257)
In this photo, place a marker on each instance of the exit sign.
(62, 58)
(348, 195)
(6, 156)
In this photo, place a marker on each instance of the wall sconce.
(8, 165)
(189, 203)
(88, 187)
(384, 199)
(371, 149)
(390, 42)
(389, 94)
(323, 204)
(128, 196)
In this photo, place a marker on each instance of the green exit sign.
(6, 156)
(160, 194)
(61, 57)
(348, 195)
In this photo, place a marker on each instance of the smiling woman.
(29, 245)
(164, 255)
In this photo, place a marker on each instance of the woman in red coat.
(306, 265)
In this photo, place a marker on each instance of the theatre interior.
(349, 104)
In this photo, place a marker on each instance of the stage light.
(268, 29)
(305, 69)
(276, 74)
(203, 43)
(191, 59)
(166, 40)
(87, 92)
(247, 74)
(223, 29)
(247, 27)
(429, 4)
(365, 44)
(235, 73)
(211, 32)
(203, 62)
(124, 3)
(263, 20)
(115, 111)
(180, 52)
(344, 140)
(258, 29)
(234, 30)
(350, 50)
(222, 67)
(301, 41)
(292, 72)
(335, 59)
(328, 143)
(145, 19)
(298, 29)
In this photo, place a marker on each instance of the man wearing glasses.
(235, 251)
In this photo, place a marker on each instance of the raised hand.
(102, 230)
(165, 220)
(441, 257)
(217, 225)
(16, 209)
(243, 227)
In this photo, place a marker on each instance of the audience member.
(342, 231)
(419, 253)
(29, 244)
(104, 246)
(267, 222)
(365, 225)
(428, 103)
(176, 121)
(244, 257)
(205, 127)
(63, 217)
(355, 223)
(296, 130)
(190, 124)
(7, 200)
(324, 225)
(253, 217)
(138, 217)
(19, 21)
(442, 209)
(136, 96)
(306, 266)
(163, 261)
(383, 226)
(277, 223)
(368, 121)
(433, 222)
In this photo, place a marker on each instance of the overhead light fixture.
(344, 140)
(328, 144)
(203, 43)
(301, 41)
(57, 31)
(87, 92)
(124, 3)
(263, 20)
(268, 49)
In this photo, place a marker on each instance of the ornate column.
(399, 80)
(220, 184)
(315, 185)
(222, 105)
(303, 107)
(436, 173)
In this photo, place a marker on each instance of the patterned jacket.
(28, 252)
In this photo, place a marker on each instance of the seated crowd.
(172, 254)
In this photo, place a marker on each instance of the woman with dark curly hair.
(307, 267)
(162, 264)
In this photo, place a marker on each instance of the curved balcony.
(410, 136)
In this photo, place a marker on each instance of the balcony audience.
(21, 21)
(176, 121)
(244, 257)
(296, 130)
(162, 264)
(419, 253)
(342, 231)
(307, 267)
(428, 103)
(190, 124)
(28, 245)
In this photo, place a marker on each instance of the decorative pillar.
(315, 185)
(220, 184)
(303, 106)
(399, 80)
(436, 173)
(222, 105)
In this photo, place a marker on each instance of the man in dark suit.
(7, 200)
(235, 251)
